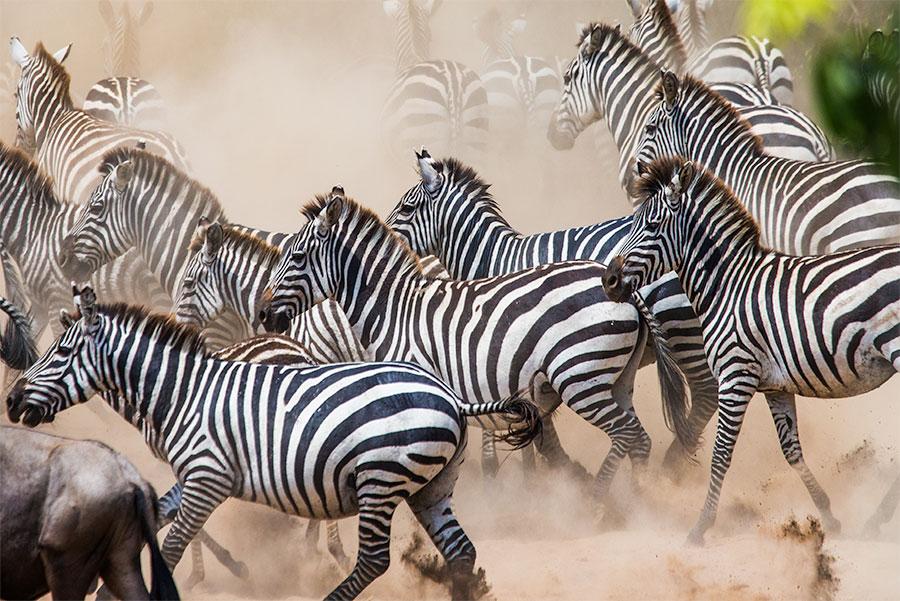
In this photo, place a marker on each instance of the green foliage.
(780, 20)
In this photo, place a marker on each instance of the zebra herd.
(334, 370)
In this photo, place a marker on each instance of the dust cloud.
(275, 101)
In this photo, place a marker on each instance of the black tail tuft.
(524, 418)
(17, 347)
(162, 585)
(671, 381)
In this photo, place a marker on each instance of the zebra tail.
(671, 380)
(17, 348)
(162, 585)
(523, 417)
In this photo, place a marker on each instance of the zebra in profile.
(17, 349)
(229, 270)
(333, 441)
(522, 91)
(817, 326)
(611, 77)
(731, 60)
(784, 131)
(68, 142)
(548, 325)
(123, 97)
(438, 102)
(451, 214)
(802, 208)
(33, 224)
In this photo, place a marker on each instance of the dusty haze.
(275, 101)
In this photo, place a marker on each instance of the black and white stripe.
(816, 326)
(128, 101)
(801, 208)
(485, 338)
(438, 102)
(320, 442)
(17, 350)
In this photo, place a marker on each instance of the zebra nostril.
(263, 314)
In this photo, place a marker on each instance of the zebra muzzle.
(614, 281)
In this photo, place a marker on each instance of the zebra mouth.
(616, 283)
(641, 167)
(18, 409)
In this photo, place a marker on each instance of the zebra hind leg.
(490, 465)
(335, 546)
(784, 412)
(885, 510)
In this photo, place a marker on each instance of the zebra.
(485, 338)
(439, 102)
(817, 326)
(68, 142)
(229, 269)
(33, 223)
(17, 348)
(611, 77)
(802, 208)
(881, 60)
(123, 97)
(451, 214)
(522, 91)
(321, 442)
(731, 60)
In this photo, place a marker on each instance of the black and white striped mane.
(663, 16)
(371, 227)
(632, 51)
(466, 178)
(243, 243)
(703, 185)
(58, 74)
(159, 326)
(28, 174)
(693, 92)
(165, 173)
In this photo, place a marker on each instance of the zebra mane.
(663, 16)
(703, 184)
(170, 173)
(632, 51)
(375, 229)
(692, 88)
(242, 242)
(161, 326)
(57, 73)
(464, 176)
(28, 172)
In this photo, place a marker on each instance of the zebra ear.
(124, 172)
(594, 41)
(429, 171)
(66, 319)
(635, 6)
(18, 52)
(86, 303)
(61, 54)
(213, 241)
(391, 7)
(670, 87)
(686, 175)
(145, 13)
(329, 216)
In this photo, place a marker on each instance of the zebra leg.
(199, 497)
(489, 463)
(885, 510)
(623, 394)
(311, 537)
(784, 412)
(452, 543)
(374, 556)
(198, 570)
(732, 409)
(335, 546)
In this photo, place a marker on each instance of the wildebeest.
(71, 510)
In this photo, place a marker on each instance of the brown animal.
(71, 510)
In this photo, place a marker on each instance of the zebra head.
(662, 131)
(654, 245)
(67, 373)
(200, 300)
(42, 81)
(578, 106)
(415, 217)
(100, 232)
(302, 278)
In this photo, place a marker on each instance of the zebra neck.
(692, 28)
(735, 154)
(470, 249)
(412, 39)
(247, 278)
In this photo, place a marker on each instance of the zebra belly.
(872, 370)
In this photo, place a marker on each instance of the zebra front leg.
(784, 412)
(489, 463)
(374, 556)
(732, 409)
(885, 510)
(335, 546)
(311, 538)
(199, 497)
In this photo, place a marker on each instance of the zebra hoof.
(193, 580)
(241, 570)
(832, 525)
(695, 539)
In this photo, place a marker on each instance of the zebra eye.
(188, 282)
(407, 208)
(650, 130)
(298, 256)
(96, 207)
(567, 79)
(64, 351)
(652, 225)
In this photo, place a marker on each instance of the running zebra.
(486, 338)
(318, 442)
(816, 326)
(611, 77)
(522, 91)
(802, 208)
(123, 97)
(33, 223)
(784, 131)
(437, 102)
(68, 142)
(17, 350)
(731, 60)
(451, 214)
